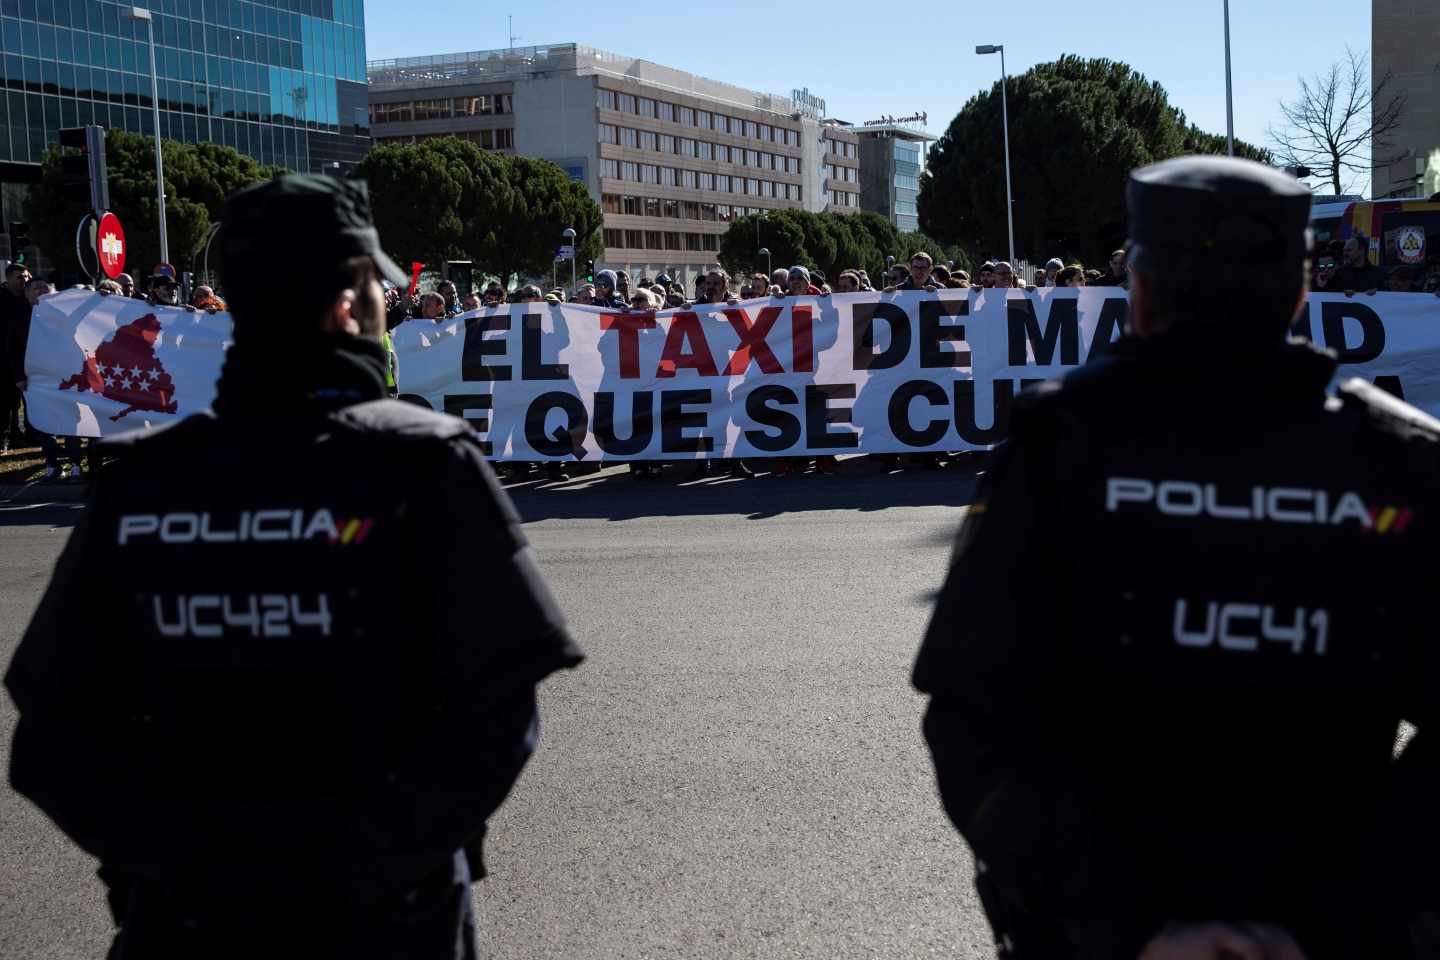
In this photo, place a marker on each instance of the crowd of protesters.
(1339, 268)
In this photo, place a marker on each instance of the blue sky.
(867, 60)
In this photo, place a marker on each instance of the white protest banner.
(102, 365)
(853, 373)
(870, 372)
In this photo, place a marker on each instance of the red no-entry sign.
(110, 245)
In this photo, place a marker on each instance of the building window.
(748, 129)
(645, 107)
(630, 171)
(752, 187)
(722, 182)
(707, 181)
(692, 210)
(635, 239)
(653, 241)
(479, 106)
(393, 112)
(610, 168)
(649, 173)
(667, 177)
(850, 175)
(665, 111)
(688, 178)
(652, 207)
(710, 241)
(631, 206)
(907, 182)
(767, 132)
(692, 241)
(685, 116)
(647, 140)
(628, 137)
(607, 133)
(606, 101)
(707, 211)
(610, 202)
(505, 139)
(722, 123)
(797, 195)
(707, 150)
(905, 207)
(702, 119)
(666, 143)
(504, 103)
(672, 209)
(614, 238)
(687, 147)
(672, 240)
(625, 102)
(432, 109)
(722, 153)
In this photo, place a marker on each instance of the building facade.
(671, 158)
(892, 154)
(282, 81)
(1405, 44)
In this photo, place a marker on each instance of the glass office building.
(892, 155)
(282, 81)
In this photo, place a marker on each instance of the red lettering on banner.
(629, 326)
(802, 340)
(753, 336)
(685, 326)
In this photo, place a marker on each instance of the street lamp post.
(765, 252)
(143, 15)
(1229, 95)
(569, 236)
(1005, 121)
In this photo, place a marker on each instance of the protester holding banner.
(1357, 274)
(1185, 615)
(280, 705)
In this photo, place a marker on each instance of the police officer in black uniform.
(286, 666)
(1186, 616)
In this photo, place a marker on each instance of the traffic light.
(84, 172)
(19, 240)
(589, 271)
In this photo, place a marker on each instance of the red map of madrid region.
(126, 370)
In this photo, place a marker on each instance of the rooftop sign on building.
(807, 104)
(921, 118)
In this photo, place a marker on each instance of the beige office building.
(670, 157)
(1405, 43)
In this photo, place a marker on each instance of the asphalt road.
(737, 770)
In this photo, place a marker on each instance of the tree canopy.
(830, 241)
(446, 199)
(1077, 129)
(198, 178)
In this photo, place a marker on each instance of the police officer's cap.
(294, 224)
(1221, 207)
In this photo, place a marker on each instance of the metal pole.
(159, 160)
(1229, 95)
(1005, 121)
(573, 286)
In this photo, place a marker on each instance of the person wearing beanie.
(263, 701)
(799, 285)
(605, 291)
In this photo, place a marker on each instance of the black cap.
(297, 222)
(1222, 207)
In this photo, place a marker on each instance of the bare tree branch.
(1340, 123)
